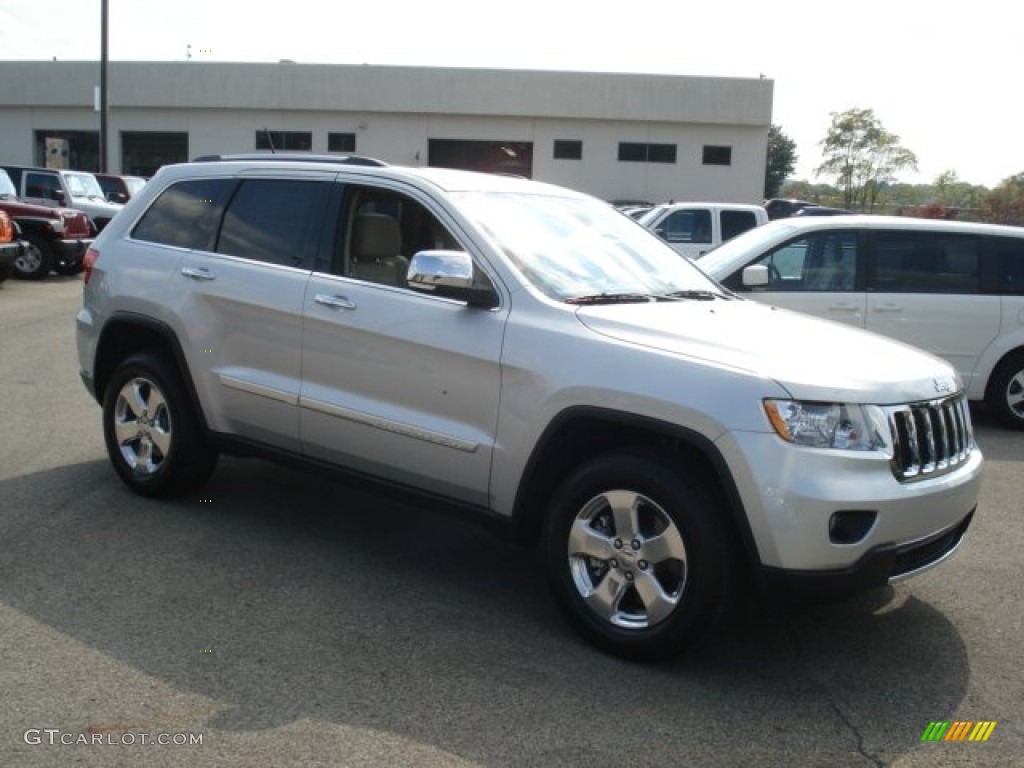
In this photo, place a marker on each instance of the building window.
(717, 155)
(281, 141)
(341, 142)
(635, 152)
(567, 149)
(143, 152)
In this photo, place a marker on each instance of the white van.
(954, 289)
(693, 229)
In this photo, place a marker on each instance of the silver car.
(526, 355)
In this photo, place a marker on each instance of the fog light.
(848, 526)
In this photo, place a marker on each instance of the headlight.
(831, 425)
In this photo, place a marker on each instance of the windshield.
(83, 185)
(649, 216)
(571, 247)
(752, 242)
(6, 185)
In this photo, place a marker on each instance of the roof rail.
(294, 157)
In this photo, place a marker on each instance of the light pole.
(103, 86)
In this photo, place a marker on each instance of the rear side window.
(736, 223)
(274, 220)
(1007, 254)
(186, 214)
(924, 262)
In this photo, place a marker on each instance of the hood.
(18, 209)
(812, 359)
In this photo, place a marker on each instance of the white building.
(617, 136)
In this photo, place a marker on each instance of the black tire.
(36, 259)
(695, 567)
(154, 439)
(1005, 394)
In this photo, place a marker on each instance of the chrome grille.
(930, 438)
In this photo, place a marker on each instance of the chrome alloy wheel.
(628, 559)
(142, 426)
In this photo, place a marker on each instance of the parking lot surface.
(284, 619)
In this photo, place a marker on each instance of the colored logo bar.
(958, 730)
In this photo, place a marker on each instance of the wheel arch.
(128, 333)
(581, 433)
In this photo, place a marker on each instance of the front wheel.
(639, 555)
(153, 436)
(1005, 395)
(36, 259)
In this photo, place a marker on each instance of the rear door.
(239, 294)
(395, 383)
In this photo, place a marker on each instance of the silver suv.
(525, 354)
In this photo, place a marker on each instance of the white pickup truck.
(693, 229)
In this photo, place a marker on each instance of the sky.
(944, 77)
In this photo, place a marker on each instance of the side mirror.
(449, 274)
(756, 276)
(117, 197)
(58, 195)
(660, 232)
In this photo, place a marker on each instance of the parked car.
(63, 188)
(524, 355)
(53, 238)
(10, 246)
(781, 208)
(955, 289)
(693, 229)
(119, 189)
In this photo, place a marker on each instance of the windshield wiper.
(612, 298)
(695, 294)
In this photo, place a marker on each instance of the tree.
(862, 156)
(1005, 203)
(781, 160)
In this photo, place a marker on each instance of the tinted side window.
(736, 222)
(924, 262)
(186, 214)
(687, 226)
(274, 220)
(1007, 258)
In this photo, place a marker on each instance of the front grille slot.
(930, 438)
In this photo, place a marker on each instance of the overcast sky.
(946, 78)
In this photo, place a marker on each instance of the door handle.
(888, 308)
(843, 307)
(198, 273)
(334, 302)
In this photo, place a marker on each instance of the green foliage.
(1005, 203)
(863, 157)
(781, 160)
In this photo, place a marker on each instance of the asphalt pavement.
(280, 618)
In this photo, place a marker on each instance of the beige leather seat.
(374, 250)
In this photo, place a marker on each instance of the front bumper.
(791, 496)
(885, 564)
(9, 253)
(71, 251)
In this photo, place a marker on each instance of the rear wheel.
(36, 259)
(1005, 395)
(153, 436)
(639, 555)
